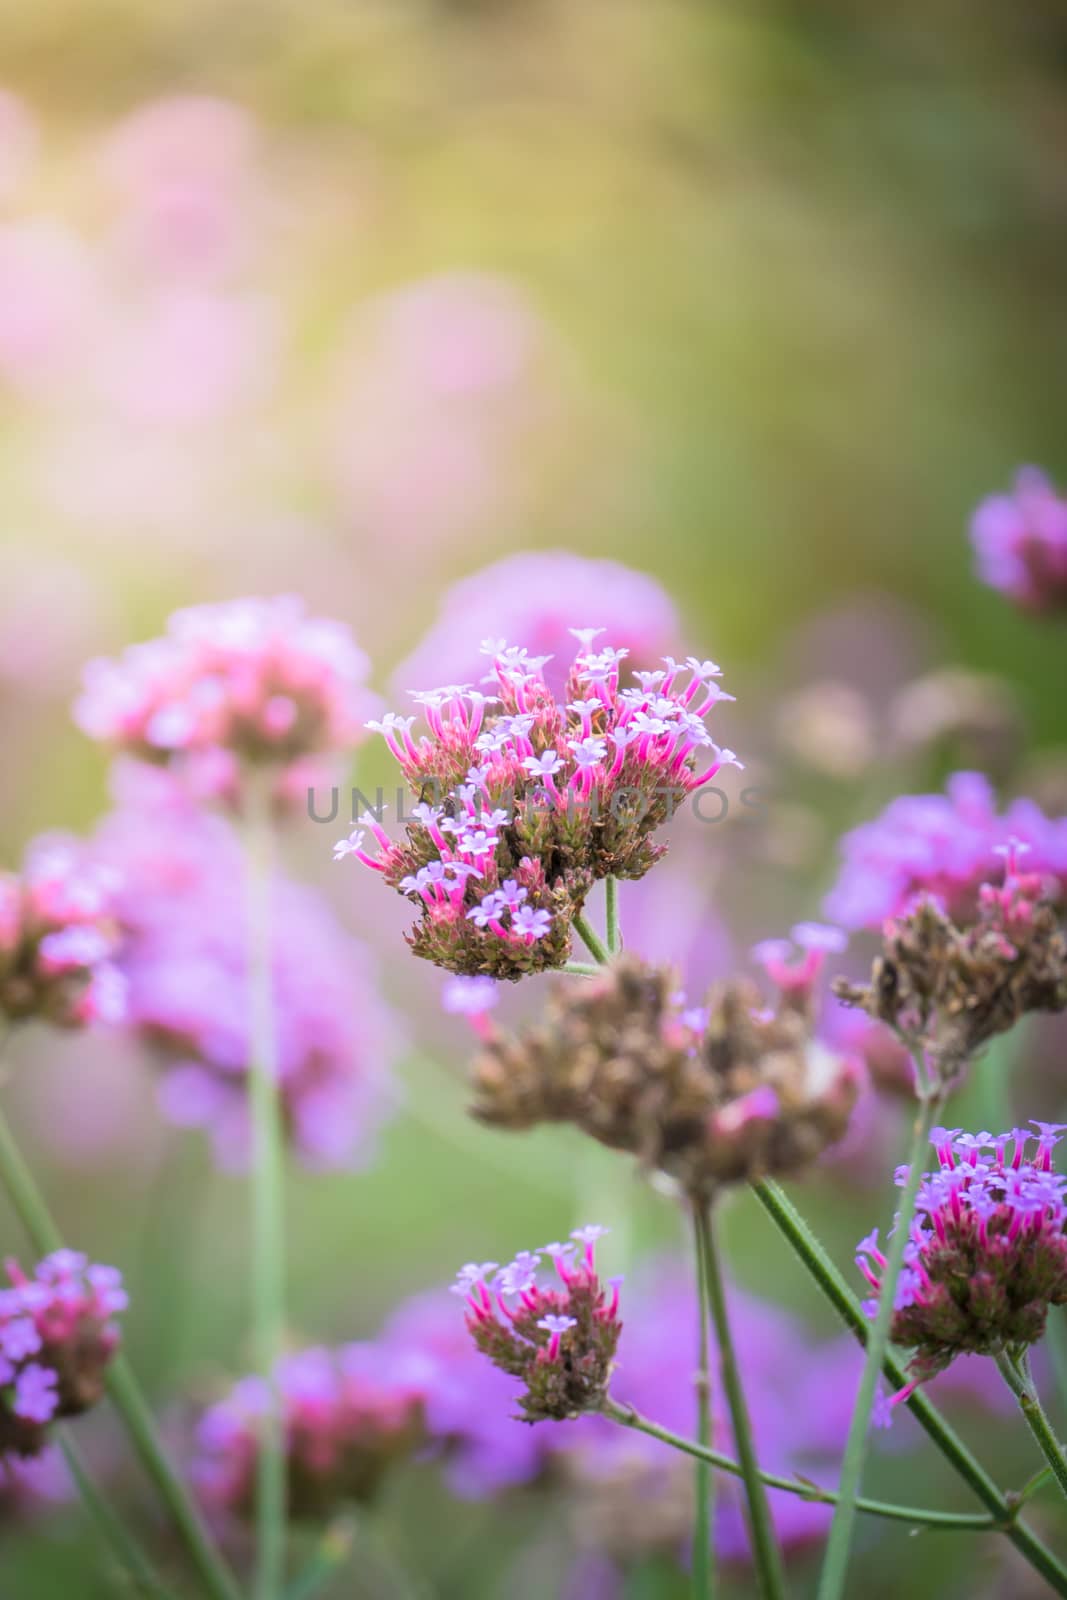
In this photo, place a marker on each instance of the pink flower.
(246, 683)
(941, 845)
(182, 168)
(60, 938)
(185, 964)
(1020, 541)
(57, 1335)
(536, 799)
(536, 596)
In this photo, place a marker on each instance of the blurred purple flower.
(185, 964)
(538, 597)
(1020, 541)
(943, 845)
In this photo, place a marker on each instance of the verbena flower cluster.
(942, 845)
(712, 1095)
(348, 1415)
(1020, 540)
(185, 962)
(949, 990)
(987, 1250)
(246, 683)
(531, 801)
(59, 938)
(560, 1341)
(57, 1335)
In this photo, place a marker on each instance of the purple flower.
(986, 1254)
(1020, 541)
(940, 845)
(185, 962)
(520, 598)
(36, 1398)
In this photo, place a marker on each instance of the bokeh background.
(355, 299)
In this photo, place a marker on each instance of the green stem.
(330, 1555)
(703, 1541)
(121, 1385)
(765, 1552)
(580, 969)
(1004, 1509)
(835, 1563)
(611, 915)
(114, 1532)
(268, 1197)
(918, 1516)
(1015, 1370)
(592, 940)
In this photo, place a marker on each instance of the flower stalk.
(917, 1516)
(835, 1563)
(703, 1540)
(1014, 1368)
(765, 1553)
(268, 1196)
(121, 1385)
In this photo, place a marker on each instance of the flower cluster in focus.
(947, 990)
(712, 1095)
(560, 1341)
(59, 938)
(1020, 540)
(987, 1252)
(531, 801)
(57, 1335)
(348, 1415)
(253, 682)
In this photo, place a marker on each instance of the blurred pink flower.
(182, 168)
(439, 385)
(185, 960)
(48, 302)
(536, 598)
(1020, 543)
(189, 356)
(52, 613)
(18, 144)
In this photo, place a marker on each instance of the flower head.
(57, 1335)
(520, 598)
(59, 938)
(947, 990)
(543, 798)
(185, 963)
(710, 1095)
(349, 1414)
(941, 845)
(1020, 541)
(240, 685)
(987, 1252)
(560, 1340)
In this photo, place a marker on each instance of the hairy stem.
(1015, 1370)
(1004, 1509)
(268, 1197)
(592, 940)
(611, 915)
(765, 1553)
(918, 1516)
(122, 1387)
